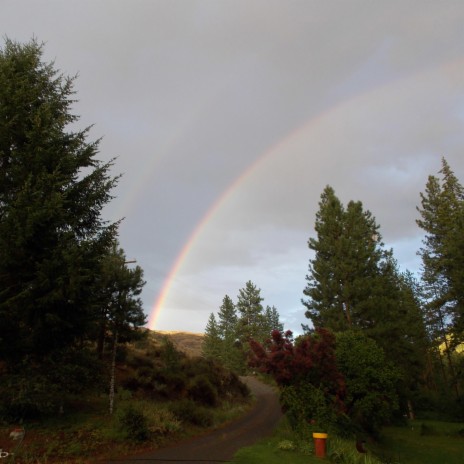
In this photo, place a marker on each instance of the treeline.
(227, 336)
(67, 294)
(382, 344)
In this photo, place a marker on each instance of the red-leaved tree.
(310, 360)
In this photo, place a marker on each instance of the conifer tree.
(227, 319)
(251, 315)
(442, 219)
(354, 284)
(231, 352)
(52, 191)
(348, 250)
(212, 343)
(273, 319)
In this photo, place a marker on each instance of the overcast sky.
(228, 119)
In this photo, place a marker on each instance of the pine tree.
(227, 319)
(251, 320)
(231, 352)
(212, 343)
(348, 250)
(272, 320)
(354, 284)
(442, 219)
(52, 190)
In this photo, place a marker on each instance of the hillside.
(187, 342)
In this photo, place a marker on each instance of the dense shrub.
(202, 391)
(371, 396)
(134, 424)
(189, 411)
(39, 389)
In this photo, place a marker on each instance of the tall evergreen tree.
(272, 319)
(442, 219)
(227, 319)
(355, 284)
(251, 315)
(231, 352)
(212, 343)
(52, 190)
(348, 250)
(119, 302)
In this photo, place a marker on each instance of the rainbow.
(218, 203)
(167, 284)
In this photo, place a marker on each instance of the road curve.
(220, 445)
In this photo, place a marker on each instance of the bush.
(134, 424)
(371, 397)
(307, 408)
(202, 391)
(161, 421)
(189, 411)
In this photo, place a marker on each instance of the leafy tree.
(52, 190)
(371, 394)
(312, 388)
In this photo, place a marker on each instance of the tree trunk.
(113, 369)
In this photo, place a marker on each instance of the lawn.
(421, 442)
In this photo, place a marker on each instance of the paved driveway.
(220, 445)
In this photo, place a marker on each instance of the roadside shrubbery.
(340, 384)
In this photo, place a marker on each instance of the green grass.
(421, 442)
(269, 450)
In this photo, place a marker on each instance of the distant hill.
(187, 342)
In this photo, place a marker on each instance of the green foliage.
(251, 323)
(63, 282)
(371, 397)
(227, 337)
(344, 269)
(52, 191)
(343, 451)
(33, 390)
(442, 220)
(202, 391)
(133, 423)
(212, 343)
(306, 406)
(355, 284)
(191, 412)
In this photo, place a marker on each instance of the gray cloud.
(364, 96)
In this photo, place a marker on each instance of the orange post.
(319, 444)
